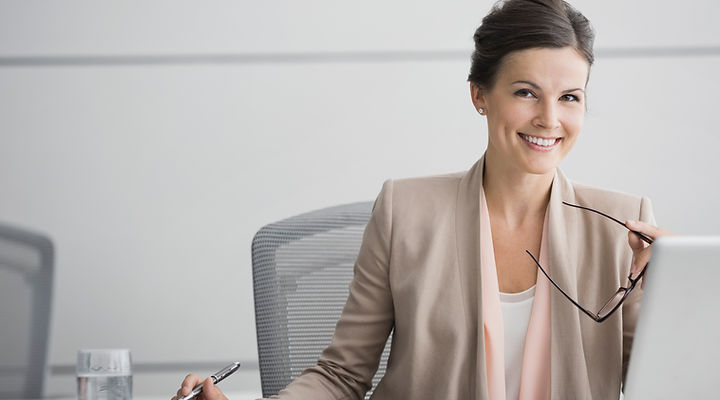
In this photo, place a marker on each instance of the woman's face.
(536, 109)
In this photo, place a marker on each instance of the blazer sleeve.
(631, 307)
(346, 367)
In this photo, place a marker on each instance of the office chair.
(26, 275)
(302, 267)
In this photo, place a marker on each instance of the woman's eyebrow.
(536, 87)
(533, 84)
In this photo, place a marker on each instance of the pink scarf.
(535, 379)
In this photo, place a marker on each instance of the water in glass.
(104, 374)
(104, 387)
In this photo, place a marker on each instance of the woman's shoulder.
(419, 199)
(421, 206)
(426, 189)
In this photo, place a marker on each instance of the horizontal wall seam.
(318, 57)
(158, 367)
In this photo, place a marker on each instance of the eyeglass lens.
(612, 302)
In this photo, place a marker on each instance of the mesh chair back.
(302, 267)
(26, 274)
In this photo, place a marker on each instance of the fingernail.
(631, 222)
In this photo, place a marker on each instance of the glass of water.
(104, 374)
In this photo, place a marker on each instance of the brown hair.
(522, 24)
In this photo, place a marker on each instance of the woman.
(444, 260)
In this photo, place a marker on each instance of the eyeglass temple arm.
(589, 314)
(642, 236)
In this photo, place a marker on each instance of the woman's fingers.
(211, 392)
(641, 256)
(187, 385)
(649, 230)
(635, 242)
(641, 250)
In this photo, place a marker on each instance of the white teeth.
(539, 141)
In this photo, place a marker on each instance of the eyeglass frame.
(624, 291)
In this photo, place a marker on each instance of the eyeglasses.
(616, 300)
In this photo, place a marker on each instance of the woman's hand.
(210, 391)
(641, 251)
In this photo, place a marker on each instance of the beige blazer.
(418, 271)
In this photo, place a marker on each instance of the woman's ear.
(477, 94)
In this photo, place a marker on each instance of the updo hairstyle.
(515, 25)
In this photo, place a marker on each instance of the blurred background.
(151, 140)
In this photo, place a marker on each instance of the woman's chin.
(541, 168)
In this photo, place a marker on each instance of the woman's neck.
(515, 197)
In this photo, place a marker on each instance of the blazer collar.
(467, 225)
(568, 369)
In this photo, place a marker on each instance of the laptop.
(676, 351)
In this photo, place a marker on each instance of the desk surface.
(234, 395)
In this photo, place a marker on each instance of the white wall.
(151, 140)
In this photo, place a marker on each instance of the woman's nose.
(547, 116)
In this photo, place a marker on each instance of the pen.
(216, 377)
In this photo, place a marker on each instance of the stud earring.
(481, 110)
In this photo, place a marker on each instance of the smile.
(539, 143)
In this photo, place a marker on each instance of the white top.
(516, 309)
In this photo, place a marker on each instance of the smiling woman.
(447, 263)
(535, 108)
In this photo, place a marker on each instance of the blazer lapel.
(569, 375)
(467, 223)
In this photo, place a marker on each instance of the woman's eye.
(569, 97)
(524, 93)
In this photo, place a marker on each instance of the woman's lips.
(544, 144)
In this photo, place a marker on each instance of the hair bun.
(514, 25)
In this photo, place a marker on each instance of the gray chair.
(302, 267)
(26, 276)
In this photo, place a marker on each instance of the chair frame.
(41, 308)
